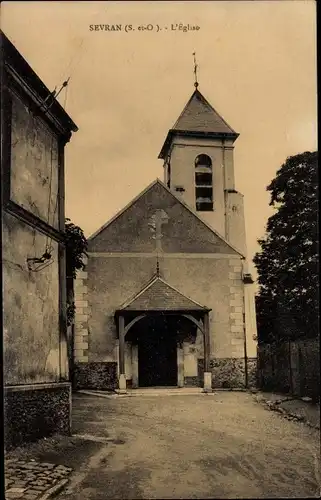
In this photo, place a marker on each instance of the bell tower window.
(203, 183)
(169, 175)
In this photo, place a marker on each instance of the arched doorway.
(158, 338)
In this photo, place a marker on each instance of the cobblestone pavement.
(32, 480)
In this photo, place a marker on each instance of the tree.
(287, 265)
(76, 250)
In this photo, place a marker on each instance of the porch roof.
(158, 295)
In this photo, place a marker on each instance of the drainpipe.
(244, 331)
(225, 193)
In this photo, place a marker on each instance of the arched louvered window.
(203, 183)
(169, 175)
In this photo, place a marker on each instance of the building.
(34, 132)
(166, 298)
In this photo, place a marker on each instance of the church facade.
(166, 298)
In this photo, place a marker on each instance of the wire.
(66, 94)
(72, 59)
(47, 248)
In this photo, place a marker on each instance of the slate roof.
(198, 118)
(113, 236)
(16, 65)
(199, 115)
(160, 296)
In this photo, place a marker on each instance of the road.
(224, 445)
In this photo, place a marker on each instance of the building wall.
(33, 350)
(30, 307)
(183, 154)
(37, 396)
(235, 222)
(34, 164)
(109, 281)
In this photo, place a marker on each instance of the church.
(166, 299)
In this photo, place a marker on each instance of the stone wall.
(100, 376)
(227, 373)
(252, 373)
(32, 412)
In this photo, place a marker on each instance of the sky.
(256, 66)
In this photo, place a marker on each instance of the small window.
(203, 161)
(203, 183)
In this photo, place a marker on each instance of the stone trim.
(35, 387)
(166, 255)
(81, 340)
(236, 290)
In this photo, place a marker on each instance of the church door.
(157, 354)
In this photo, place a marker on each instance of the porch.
(157, 323)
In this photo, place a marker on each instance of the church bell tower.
(199, 168)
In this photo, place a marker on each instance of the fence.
(290, 367)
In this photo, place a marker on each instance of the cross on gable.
(159, 218)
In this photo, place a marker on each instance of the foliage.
(71, 311)
(76, 248)
(287, 265)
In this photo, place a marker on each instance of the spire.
(198, 119)
(195, 70)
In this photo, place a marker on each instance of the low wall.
(227, 373)
(290, 367)
(230, 373)
(97, 375)
(35, 411)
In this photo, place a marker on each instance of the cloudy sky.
(257, 67)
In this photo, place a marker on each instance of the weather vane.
(195, 70)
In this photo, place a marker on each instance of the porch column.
(122, 377)
(207, 355)
(135, 366)
(180, 365)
